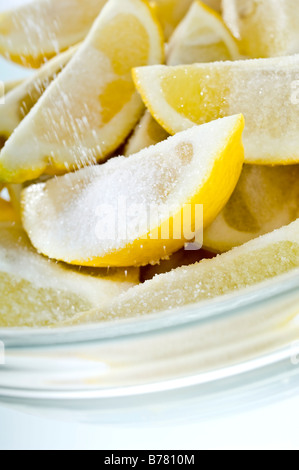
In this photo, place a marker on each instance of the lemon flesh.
(75, 218)
(264, 90)
(215, 4)
(21, 98)
(35, 291)
(201, 37)
(39, 30)
(264, 28)
(7, 213)
(92, 106)
(170, 13)
(264, 200)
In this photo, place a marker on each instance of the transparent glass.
(226, 354)
(210, 353)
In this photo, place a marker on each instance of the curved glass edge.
(264, 371)
(160, 361)
(205, 311)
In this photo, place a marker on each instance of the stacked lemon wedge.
(150, 161)
(37, 31)
(200, 37)
(88, 111)
(272, 255)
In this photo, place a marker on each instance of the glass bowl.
(215, 357)
(197, 361)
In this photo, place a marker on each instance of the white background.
(273, 427)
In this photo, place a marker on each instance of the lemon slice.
(38, 30)
(265, 199)
(263, 259)
(138, 210)
(89, 110)
(38, 292)
(21, 99)
(147, 133)
(264, 90)
(265, 28)
(201, 37)
(170, 13)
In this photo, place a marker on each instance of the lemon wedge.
(170, 13)
(265, 199)
(39, 30)
(264, 90)
(137, 210)
(260, 260)
(264, 28)
(201, 37)
(92, 106)
(23, 96)
(38, 292)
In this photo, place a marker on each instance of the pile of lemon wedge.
(146, 130)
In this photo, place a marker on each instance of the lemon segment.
(265, 258)
(35, 291)
(265, 199)
(75, 218)
(22, 97)
(92, 106)
(264, 90)
(170, 13)
(35, 32)
(264, 28)
(201, 37)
